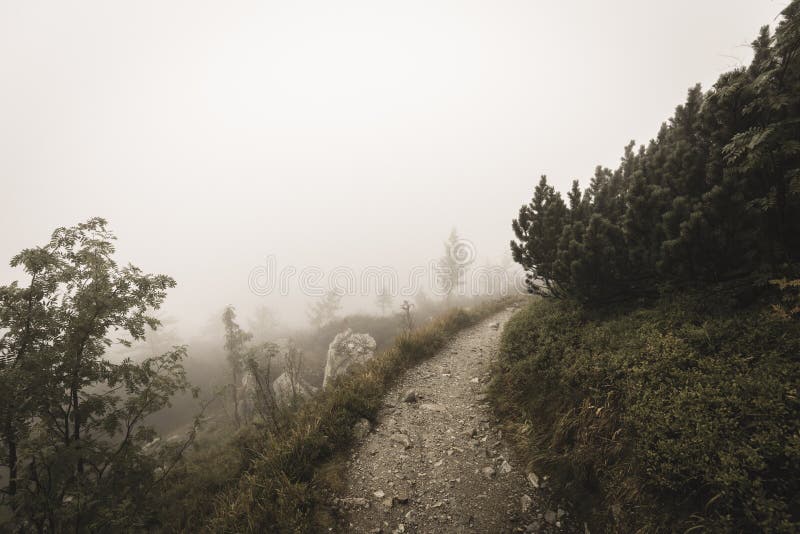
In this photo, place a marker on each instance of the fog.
(216, 135)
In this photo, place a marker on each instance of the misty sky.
(212, 134)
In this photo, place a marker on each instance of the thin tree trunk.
(11, 444)
(235, 398)
(76, 428)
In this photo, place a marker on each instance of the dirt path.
(437, 464)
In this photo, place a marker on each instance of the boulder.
(347, 349)
(288, 391)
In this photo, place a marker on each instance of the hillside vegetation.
(678, 415)
(657, 379)
(277, 481)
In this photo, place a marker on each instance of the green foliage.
(789, 306)
(73, 422)
(714, 197)
(678, 416)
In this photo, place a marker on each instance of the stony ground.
(435, 463)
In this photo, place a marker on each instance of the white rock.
(345, 350)
(488, 472)
(288, 390)
(533, 479)
(525, 502)
(402, 439)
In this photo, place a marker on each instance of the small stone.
(354, 501)
(439, 463)
(550, 516)
(409, 396)
(533, 479)
(560, 513)
(471, 432)
(480, 397)
(361, 429)
(488, 472)
(379, 494)
(475, 380)
(525, 502)
(505, 467)
(432, 407)
(494, 326)
(402, 439)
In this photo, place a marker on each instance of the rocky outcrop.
(288, 391)
(347, 349)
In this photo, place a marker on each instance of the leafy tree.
(72, 418)
(263, 323)
(384, 300)
(324, 310)
(236, 341)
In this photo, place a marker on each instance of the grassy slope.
(281, 487)
(680, 415)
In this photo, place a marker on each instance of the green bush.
(677, 416)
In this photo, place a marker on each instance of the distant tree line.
(713, 199)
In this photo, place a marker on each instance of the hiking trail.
(436, 462)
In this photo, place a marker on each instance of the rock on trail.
(435, 461)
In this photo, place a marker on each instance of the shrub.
(676, 416)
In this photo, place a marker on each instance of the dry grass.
(283, 489)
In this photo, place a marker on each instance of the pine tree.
(713, 199)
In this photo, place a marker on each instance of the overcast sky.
(212, 134)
